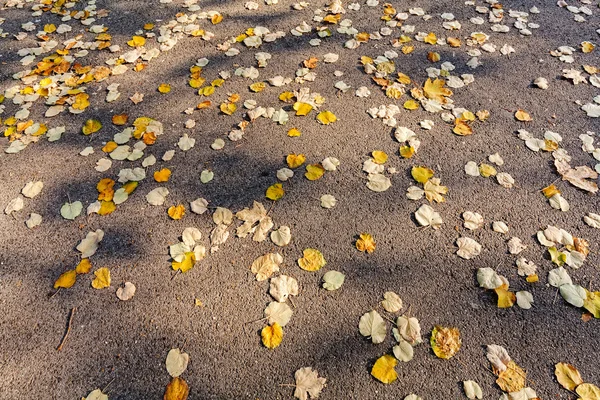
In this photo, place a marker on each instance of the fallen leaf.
(421, 174)
(176, 212)
(391, 303)
(373, 326)
(409, 329)
(472, 390)
(279, 313)
(365, 243)
(91, 126)
(102, 278)
(188, 261)
(445, 342)
(314, 172)
(326, 117)
(308, 383)
(282, 287)
(588, 391)
(163, 175)
(567, 375)
(333, 280)
(126, 292)
(272, 335)
(66, 279)
(522, 115)
(177, 389)
(383, 369)
(312, 260)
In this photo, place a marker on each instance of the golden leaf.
(522, 115)
(228, 108)
(383, 369)
(130, 186)
(586, 47)
(177, 389)
(506, 299)
(137, 41)
(430, 38)
(512, 379)
(84, 266)
(272, 335)
(106, 207)
(102, 279)
(407, 151)
(105, 189)
(365, 243)
(311, 62)
(176, 212)
(217, 82)
(286, 97)
(326, 117)
(445, 341)
(532, 278)
(204, 104)
(407, 49)
(164, 88)
(588, 391)
(411, 104)
(433, 57)
(295, 160)
(314, 172)
(215, 19)
(453, 42)
(380, 157)
(148, 26)
(109, 147)
(258, 87)
(50, 28)
(550, 191)
(163, 175)
(66, 279)
(567, 375)
(487, 170)
(403, 78)
(186, 264)
(302, 108)
(294, 132)
(421, 174)
(435, 90)
(275, 192)
(592, 303)
(461, 128)
(91, 126)
(312, 260)
(120, 119)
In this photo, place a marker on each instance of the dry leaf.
(102, 278)
(272, 335)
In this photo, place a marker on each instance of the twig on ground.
(64, 339)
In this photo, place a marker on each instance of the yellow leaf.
(403, 78)
(119, 119)
(380, 157)
(258, 87)
(234, 98)
(326, 117)
(586, 47)
(407, 151)
(512, 379)
(66, 279)
(421, 174)
(196, 82)
(567, 375)
(411, 104)
(550, 191)
(109, 147)
(487, 170)
(148, 26)
(204, 104)
(295, 160)
(215, 19)
(186, 264)
(106, 207)
(461, 128)
(130, 186)
(445, 341)
(272, 335)
(383, 369)
(84, 266)
(393, 92)
(286, 97)
(105, 189)
(430, 38)
(102, 279)
(176, 212)
(313, 260)
(506, 299)
(206, 91)
(164, 88)
(435, 90)
(302, 108)
(407, 49)
(163, 175)
(588, 391)
(314, 172)
(523, 116)
(275, 192)
(91, 126)
(177, 389)
(228, 108)
(294, 132)
(592, 303)
(50, 28)
(365, 243)
(137, 41)
(532, 278)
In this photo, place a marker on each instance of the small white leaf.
(333, 280)
(372, 325)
